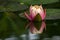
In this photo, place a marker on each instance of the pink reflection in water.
(34, 30)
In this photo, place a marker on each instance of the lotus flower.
(34, 11)
(34, 29)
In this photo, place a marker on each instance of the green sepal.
(37, 18)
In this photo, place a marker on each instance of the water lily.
(34, 11)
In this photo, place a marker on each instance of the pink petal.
(30, 10)
(32, 14)
(43, 14)
(41, 7)
(32, 27)
(42, 27)
(27, 25)
(28, 16)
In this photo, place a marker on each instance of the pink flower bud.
(35, 10)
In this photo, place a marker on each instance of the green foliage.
(17, 5)
(9, 23)
(38, 1)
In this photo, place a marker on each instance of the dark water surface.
(45, 30)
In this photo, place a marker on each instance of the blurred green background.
(18, 6)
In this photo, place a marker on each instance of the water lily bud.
(36, 11)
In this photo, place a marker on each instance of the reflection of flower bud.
(34, 29)
(34, 11)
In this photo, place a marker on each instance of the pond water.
(45, 30)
